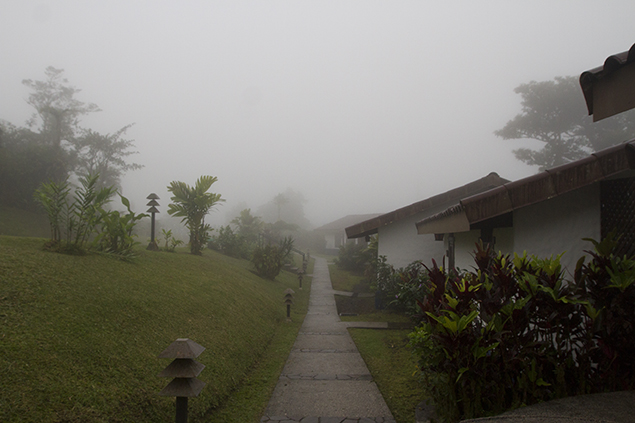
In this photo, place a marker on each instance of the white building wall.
(558, 225)
(401, 244)
(330, 241)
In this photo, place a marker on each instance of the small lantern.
(300, 274)
(153, 210)
(184, 369)
(288, 300)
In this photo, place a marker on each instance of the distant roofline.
(371, 226)
(531, 190)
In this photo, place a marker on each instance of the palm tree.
(193, 204)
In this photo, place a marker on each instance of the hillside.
(79, 336)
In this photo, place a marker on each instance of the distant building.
(398, 239)
(334, 232)
(549, 213)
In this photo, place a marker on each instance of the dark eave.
(610, 89)
(371, 226)
(531, 190)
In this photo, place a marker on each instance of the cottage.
(548, 213)
(334, 232)
(397, 234)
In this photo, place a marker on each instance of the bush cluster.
(514, 332)
(80, 222)
(269, 257)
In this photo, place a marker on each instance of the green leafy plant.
(116, 232)
(73, 222)
(230, 243)
(193, 204)
(170, 241)
(510, 333)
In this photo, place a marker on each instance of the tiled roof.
(371, 226)
(606, 72)
(351, 219)
(531, 190)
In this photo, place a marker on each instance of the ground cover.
(80, 335)
(16, 222)
(393, 367)
(386, 352)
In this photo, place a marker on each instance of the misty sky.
(363, 106)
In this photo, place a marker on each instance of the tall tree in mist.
(248, 226)
(104, 155)
(54, 145)
(554, 113)
(57, 111)
(288, 207)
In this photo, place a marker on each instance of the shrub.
(230, 243)
(170, 241)
(83, 223)
(268, 259)
(514, 333)
(355, 257)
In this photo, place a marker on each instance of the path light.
(184, 370)
(153, 209)
(288, 300)
(300, 273)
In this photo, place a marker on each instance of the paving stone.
(325, 376)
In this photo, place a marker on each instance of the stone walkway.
(325, 379)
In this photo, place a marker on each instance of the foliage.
(73, 222)
(268, 258)
(193, 204)
(607, 282)
(248, 226)
(287, 206)
(25, 163)
(554, 113)
(84, 223)
(50, 148)
(115, 236)
(105, 155)
(80, 336)
(170, 241)
(514, 333)
(57, 110)
(230, 243)
(355, 257)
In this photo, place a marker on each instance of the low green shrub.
(268, 258)
(355, 257)
(514, 332)
(230, 243)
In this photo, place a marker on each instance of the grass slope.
(17, 222)
(79, 336)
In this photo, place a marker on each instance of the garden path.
(325, 379)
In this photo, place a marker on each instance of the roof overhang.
(371, 226)
(472, 212)
(610, 89)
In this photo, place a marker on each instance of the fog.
(362, 106)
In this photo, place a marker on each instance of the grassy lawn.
(343, 280)
(385, 352)
(393, 367)
(79, 336)
(16, 222)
